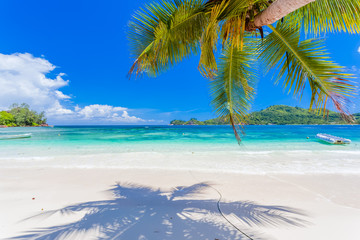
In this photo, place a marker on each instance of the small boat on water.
(16, 136)
(332, 139)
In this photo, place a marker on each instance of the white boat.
(332, 139)
(17, 136)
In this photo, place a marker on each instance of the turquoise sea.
(209, 148)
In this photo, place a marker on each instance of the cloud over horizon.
(106, 112)
(23, 78)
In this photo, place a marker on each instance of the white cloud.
(57, 110)
(358, 50)
(106, 113)
(23, 79)
(99, 111)
(61, 95)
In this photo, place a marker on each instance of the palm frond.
(233, 31)
(207, 64)
(305, 61)
(165, 32)
(233, 8)
(221, 12)
(329, 16)
(233, 88)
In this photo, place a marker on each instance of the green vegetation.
(233, 37)
(7, 119)
(21, 116)
(192, 121)
(178, 122)
(280, 115)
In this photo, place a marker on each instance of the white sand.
(284, 207)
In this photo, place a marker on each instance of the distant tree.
(279, 115)
(177, 122)
(194, 121)
(23, 116)
(7, 119)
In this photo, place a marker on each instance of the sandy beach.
(180, 120)
(39, 203)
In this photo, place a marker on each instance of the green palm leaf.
(164, 33)
(233, 88)
(233, 8)
(227, 19)
(330, 16)
(207, 64)
(301, 62)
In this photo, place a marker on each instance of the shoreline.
(298, 162)
(301, 206)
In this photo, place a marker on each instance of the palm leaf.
(207, 64)
(233, 8)
(164, 33)
(305, 61)
(233, 30)
(329, 16)
(233, 88)
(230, 17)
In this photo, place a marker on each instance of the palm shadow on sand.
(143, 213)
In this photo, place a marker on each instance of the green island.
(21, 116)
(278, 115)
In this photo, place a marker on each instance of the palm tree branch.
(293, 51)
(306, 61)
(165, 33)
(329, 15)
(232, 89)
(186, 20)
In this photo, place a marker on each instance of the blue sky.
(71, 59)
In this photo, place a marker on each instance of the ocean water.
(264, 149)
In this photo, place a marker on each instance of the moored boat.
(332, 139)
(15, 136)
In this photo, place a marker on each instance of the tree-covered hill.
(21, 116)
(281, 114)
(278, 115)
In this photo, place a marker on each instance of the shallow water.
(264, 149)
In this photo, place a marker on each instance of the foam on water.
(265, 149)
